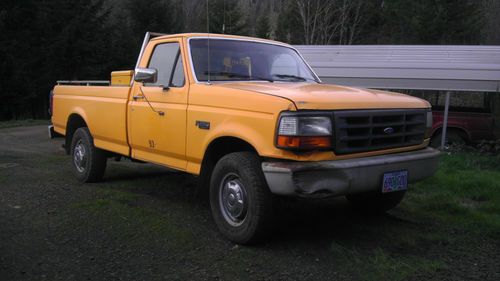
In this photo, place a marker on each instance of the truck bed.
(106, 104)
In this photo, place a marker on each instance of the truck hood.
(325, 96)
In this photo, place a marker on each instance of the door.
(157, 112)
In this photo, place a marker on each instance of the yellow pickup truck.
(253, 121)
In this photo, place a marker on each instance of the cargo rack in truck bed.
(84, 82)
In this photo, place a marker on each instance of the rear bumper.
(53, 134)
(343, 177)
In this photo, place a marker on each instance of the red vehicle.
(463, 127)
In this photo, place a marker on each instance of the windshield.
(237, 60)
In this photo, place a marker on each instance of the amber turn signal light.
(294, 142)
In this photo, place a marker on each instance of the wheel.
(89, 162)
(240, 200)
(452, 138)
(376, 201)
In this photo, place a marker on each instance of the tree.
(194, 15)
(49, 40)
(154, 15)
(320, 22)
(225, 17)
(16, 21)
(491, 31)
(429, 22)
(263, 27)
(288, 27)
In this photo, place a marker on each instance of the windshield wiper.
(238, 75)
(294, 77)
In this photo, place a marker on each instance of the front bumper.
(350, 176)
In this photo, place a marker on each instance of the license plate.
(394, 181)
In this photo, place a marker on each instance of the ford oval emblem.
(389, 130)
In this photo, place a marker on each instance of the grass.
(465, 193)
(23, 123)
(120, 209)
(378, 264)
(456, 209)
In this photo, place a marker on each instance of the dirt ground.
(145, 222)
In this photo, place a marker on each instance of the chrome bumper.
(51, 131)
(343, 177)
(53, 134)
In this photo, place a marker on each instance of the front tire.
(376, 202)
(240, 200)
(89, 162)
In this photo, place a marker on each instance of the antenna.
(208, 43)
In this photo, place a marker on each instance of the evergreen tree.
(46, 41)
(17, 20)
(429, 22)
(263, 27)
(225, 17)
(288, 28)
(154, 15)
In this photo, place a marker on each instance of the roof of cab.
(215, 36)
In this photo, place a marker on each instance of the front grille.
(369, 130)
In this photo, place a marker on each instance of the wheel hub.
(233, 200)
(80, 156)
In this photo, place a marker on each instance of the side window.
(167, 60)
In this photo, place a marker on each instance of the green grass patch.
(23, 123)
(465, 193)
(380, 265)
(120, 209)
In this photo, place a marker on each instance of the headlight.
(304, 131)
(428, 124)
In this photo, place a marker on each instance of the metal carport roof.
(463, 68)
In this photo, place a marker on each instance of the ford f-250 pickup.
(253, 121)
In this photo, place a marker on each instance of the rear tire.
(89, 162)
(240, 199)
(376, 201)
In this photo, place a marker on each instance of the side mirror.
(146, 75)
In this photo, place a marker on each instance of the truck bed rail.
(84, 82)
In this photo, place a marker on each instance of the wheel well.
(215, 151)
(75, 121)
(460, 131)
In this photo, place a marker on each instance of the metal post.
(145, 42)
(445, 120)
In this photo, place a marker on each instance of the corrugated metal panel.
(466, 68)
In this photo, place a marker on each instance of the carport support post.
(445, 120)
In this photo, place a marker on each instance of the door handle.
(137, 97)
